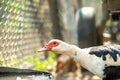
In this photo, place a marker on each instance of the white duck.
(103, 61)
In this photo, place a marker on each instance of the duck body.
(103, 61)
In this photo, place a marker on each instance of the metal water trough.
(7, 73)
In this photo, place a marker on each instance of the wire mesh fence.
(24, 26)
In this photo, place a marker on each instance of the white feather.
(110, 62)
(92, 63)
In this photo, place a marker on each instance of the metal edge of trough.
(7, 71)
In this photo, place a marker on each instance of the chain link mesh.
(24, 24)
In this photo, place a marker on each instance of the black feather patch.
(102, 51)
(112, 73)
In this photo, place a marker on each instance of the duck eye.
(54, 43)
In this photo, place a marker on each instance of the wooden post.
(57, 28)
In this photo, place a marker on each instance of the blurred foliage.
(110, 23)
(1, 60)
(44, 65)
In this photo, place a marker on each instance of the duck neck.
(79, 54)
(74, 51)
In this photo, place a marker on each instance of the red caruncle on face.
(52, 44)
